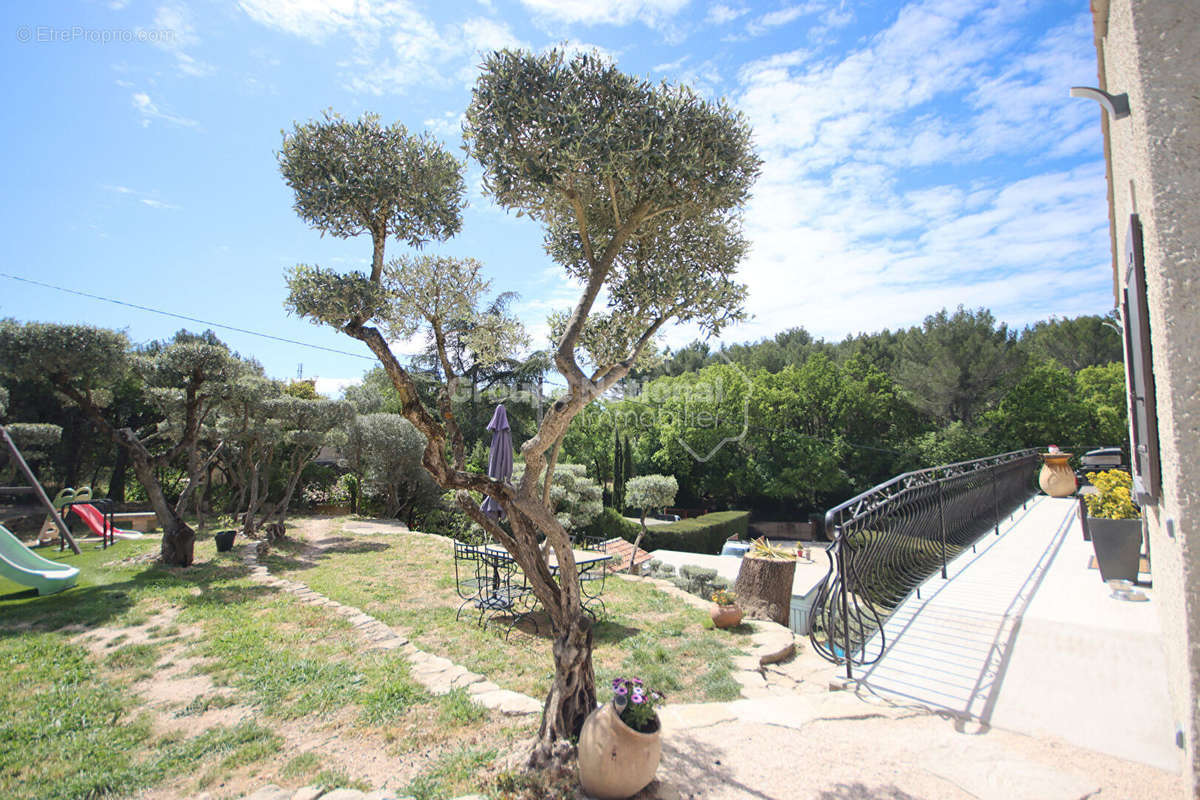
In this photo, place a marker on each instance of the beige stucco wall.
(1150, 49)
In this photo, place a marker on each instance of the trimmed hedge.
(611, 525)
(704, 534)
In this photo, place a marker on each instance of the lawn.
(168, 682)
(407, 581)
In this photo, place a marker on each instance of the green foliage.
(951, 444)
(575, 498)
(704, 534)
(1114, 500)
(651, 492)
(76, 355)
(1086, 341)
(447, 295)
(387, 449)
(700, 581)
(647, 179)
(360, 177)
(1101, 390)
(956, 365)
(303, 389)
(609, 524)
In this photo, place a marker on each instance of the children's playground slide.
(21, 565)
(95, 520)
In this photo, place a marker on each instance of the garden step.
(509, 702)
(270, 792)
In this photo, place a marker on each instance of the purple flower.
(621, 690)
(617, 682)
(638, 681)
(638, 697)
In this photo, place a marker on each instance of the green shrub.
(611, 525)
(705, 534)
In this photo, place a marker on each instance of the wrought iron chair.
(591, 578)
(466, 570)
(501, 589)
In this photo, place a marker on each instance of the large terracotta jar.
(615, 761)
(1057, 479)
(725, 616)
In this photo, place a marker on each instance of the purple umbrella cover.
(500, 457)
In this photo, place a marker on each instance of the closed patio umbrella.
(500, 458)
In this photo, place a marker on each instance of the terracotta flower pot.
(725, 616)
(615, 761)
(1057, 479)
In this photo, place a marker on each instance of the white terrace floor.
(1023, 636)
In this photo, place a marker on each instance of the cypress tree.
(618, 472)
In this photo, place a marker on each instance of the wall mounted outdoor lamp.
(1117, 105)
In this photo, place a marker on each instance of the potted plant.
(225, 534)
(1115, 525)
(724, 611)
(619, 746)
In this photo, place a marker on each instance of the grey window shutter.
(1142, 409)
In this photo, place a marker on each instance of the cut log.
(764, 588)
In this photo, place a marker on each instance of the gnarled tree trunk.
(572, 695)
(178, 540)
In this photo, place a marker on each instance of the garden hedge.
(704, 534)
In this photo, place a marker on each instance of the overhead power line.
(186, 318)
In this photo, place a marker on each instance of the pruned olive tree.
(268, 437)
(638, 188)
(184, 377)
(647, 493)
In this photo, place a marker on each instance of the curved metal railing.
(889, 540)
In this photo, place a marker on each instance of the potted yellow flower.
(1115, 525)
(725, 611)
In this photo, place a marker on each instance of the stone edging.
(771, 643)
(438, 675)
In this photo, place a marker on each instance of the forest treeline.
(783, 426)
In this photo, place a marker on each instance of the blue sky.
(916, 155)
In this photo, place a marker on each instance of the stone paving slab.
(436, 674)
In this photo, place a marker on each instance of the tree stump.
(764, 588)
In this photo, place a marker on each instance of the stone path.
(438, 675)
(273, 792)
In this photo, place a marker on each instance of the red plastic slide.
(94, 519)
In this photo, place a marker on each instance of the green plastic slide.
(21, 565)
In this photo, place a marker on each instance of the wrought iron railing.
(889, 540)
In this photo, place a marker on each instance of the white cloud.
(888, 188)
(308, 19)
(146, 199)
(177, 19)
(783, 16)
(150, 111)
(333, 387)
(720, 13)
(606, 12)
(395, 45)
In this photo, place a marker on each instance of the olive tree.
(638, 188)
(268, 436)
(648, 492)
(185, 377)
(389, 449)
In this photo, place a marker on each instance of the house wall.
(1149, 49)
